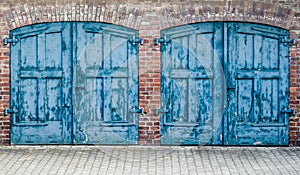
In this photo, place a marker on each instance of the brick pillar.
(149, 80)
(294, 134)
(4, 88)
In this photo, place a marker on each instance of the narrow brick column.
(294, 135)
(4, 85)
(149, 80)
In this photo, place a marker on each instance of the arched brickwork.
(275, 14)
(149, 18)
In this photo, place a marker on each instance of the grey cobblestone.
(119, 160)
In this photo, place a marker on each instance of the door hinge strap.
(9, 111)
(138, 110)
(161, 40)
(291, 112)
(160, 111)
(12, 40)
(286, 41)
(136, 41)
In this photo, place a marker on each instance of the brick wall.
(149, 17)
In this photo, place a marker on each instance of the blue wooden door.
(105, 85)
(41, 85)
(192, 85)
(74, 83)
(257, 82)
(225, 83)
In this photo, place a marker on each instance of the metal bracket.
(286, 41)
(161, 40)
(160, 111)
(291, 112)
(9, 111)
(12, 40)
(137, 110)
(136, 41)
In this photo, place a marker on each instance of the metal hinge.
(13, 114)
(137, 110)
(291, 112)
(12, 40)
(136, 41)
(160, 111)
(9, 111)
(161, 40)
(287, 41)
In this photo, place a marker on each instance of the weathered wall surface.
(149, 17)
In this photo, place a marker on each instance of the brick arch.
(149, 17)
(274, 14)
(122, 14)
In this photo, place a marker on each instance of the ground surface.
(115, 160)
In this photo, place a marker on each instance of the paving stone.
(119, 160)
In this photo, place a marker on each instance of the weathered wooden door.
(192, 85)
(105, 85)
(41, 84)
(225, 83)
(257, 82)
(74, 83)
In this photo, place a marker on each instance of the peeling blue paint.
(224, 83)
(70, 84)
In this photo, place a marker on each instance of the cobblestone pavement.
(115, 160)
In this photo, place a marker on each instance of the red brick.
(150, 18)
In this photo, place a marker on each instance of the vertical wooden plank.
(132, 54)
(245, 100)
(80, 76)
(166, 63)
(15, 94)
(41, 51)
(193, 103)
(258, 49)
(119, 52)
(28, 51)
(205, 50)
(53, 48)
(283, 55)
(218, 84)
(270, 53)
(94, 99)
(53, 99)
(192, 52)
(66, 63)
(179, 98)
(180, 53)
(245, 54)
(270, 106)
(94, 50)
(107, 80)
(28, 99)
(119, 101)
(42, 95)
